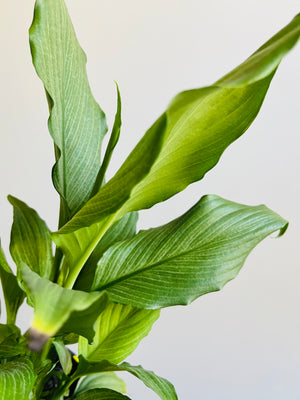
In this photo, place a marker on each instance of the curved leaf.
(101, 394)
(195, 254)
(58, 310)
(200, 125)
(64, 355)
(11, 342)
(101, 380)
(17, 379)
(76, 123)
(30, 240)
(119, 330)
(163, 388)
(13, 294)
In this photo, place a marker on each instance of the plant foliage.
(106, 283)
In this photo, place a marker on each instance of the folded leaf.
(30, 240)
(11, 342)
(113, 140)
(64, 355)
(76, 123)
(101, 394)
(108, 380)
(17, 379)
(58, 310)
(195, 254)
(200, 125)
(119, 330)
(13, 294)
(163, 388)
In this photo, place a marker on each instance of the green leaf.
(195, 254)
(76, 123)
(13, 294)
(58, 310)
(64, 355)
(200, 125)
(123, 229)
(113, 140)
(31, 240)
(101, 394)
(119, 330)
(17, 379)
(11, 342)
(108, 380)
(163, 388)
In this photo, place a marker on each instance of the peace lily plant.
(105, 285)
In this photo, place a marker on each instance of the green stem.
(75, 271)
(46, 349)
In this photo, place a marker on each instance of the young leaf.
(101, 380)
(11, 342)
(163, 388)
(58, 310)
(13, 294)
(125, 228)
(76, 123)
(113, 140)
(200, 125)
(64, 355)
(119, 330)
(30, 240)
(101, 394)
(195, 254)
(17, 379)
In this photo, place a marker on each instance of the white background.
(243, 342)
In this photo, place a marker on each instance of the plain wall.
(240, 343)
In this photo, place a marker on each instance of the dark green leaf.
(17, 379)
(195, 254)
(160, 386)
(77, 124)
(30, 240)
(101, 394)
(119, 330)
(13, 295)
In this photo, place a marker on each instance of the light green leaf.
(113, 140)
(195, 254)
(30, 240)
(17, 379)
(101, 394)
(13, 294)
(108, 380)
(11, 342)
(200, 125)
(64, 355)
(163, 388)
(119, 330)
(76, 123)
(123, 229)
(58, 310)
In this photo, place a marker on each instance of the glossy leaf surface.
(13, 294)
(193, 255)
(30, 240)
(17, 379)
(76, 123)
(198, 126)
(119, 330)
